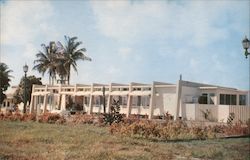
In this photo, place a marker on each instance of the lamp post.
(246, 44)
(25, 69)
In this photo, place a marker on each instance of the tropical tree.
(72, 53)
(58, 60)
(19, 94)
(4, 80)
(46, 61)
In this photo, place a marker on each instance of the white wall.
(190, 111)
(195, 112)
(190, 92)
(223, 113)
(169, 101)
(165, 101)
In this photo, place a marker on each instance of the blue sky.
(139, 41)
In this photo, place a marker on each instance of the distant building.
(188, 100)
(8, 101)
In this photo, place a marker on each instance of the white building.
(188, 100)
(8, 102)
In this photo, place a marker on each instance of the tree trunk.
(68, 78)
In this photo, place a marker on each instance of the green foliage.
(46, 61)
(19, 94)
(113, 116)
(57, 59)
(4, 80)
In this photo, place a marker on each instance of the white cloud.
(22, 24)
(22, 21)
(198, 23)
(125, 52)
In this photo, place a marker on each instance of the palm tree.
(72, 53)
(46, 61)
(4, 80)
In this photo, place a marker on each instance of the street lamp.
(246, 44)
(25, 69)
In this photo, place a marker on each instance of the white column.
(109, 101)
(152, 101)
(63, 102)
(91, 100)
(32, 98)
(32, 103)
(178, 98)
(45, 100)
(38, 106)
(60, 97)
(129, 101)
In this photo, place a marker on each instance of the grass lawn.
(31, 140)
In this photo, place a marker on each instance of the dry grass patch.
(32, 140)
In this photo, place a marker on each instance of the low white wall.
(223, 113)
(212, 111)
(241, 113)
(134, 110)
(157, 112)
(196, 112)
(97, 109)
(218, 113)
(190, 111)
(123, 109)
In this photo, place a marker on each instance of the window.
(228, 99)
(145, 100)
(242, 99)
(233, 99)
(120, 99)
(134, 100)
(124, 100)
(136, 89)
(86, 100)
(97, 100)
(203, 99)
(222, 99)
(138, 100)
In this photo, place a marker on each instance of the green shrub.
(113, 116)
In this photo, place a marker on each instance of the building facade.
(188, 100)
(8, 102)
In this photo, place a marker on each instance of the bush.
(17, 116)
(237, 129)
(29, 117)
(113, 116)
(83, 119)
(50, 118)
(170, 130)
